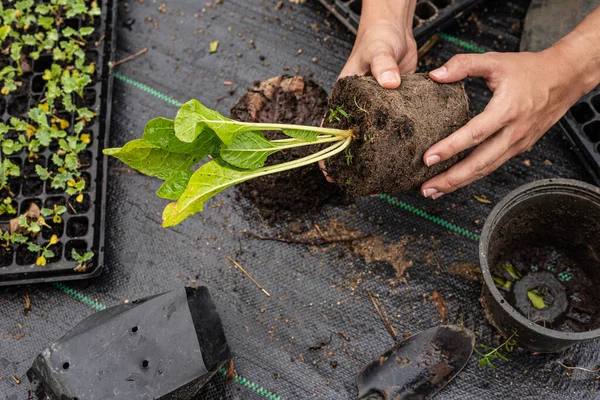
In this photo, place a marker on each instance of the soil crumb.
(393, 130)
(375, 249)
(290, 100)
(469, 271)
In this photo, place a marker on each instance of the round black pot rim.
(536, 188)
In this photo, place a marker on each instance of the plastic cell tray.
(430, 15)
(82, 227)
(581, 125)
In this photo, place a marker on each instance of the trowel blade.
(418, 367)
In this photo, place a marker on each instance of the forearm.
(580, 51)
(399, 11)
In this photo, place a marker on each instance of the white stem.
(305, 143)
(278, 127)
(313, 158)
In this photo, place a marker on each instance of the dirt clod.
(393, 130)
(291, 100)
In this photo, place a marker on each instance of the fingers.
(486, 158)
(474, 132)
(462, 65)
(354, 66)
(323, 169)
(384, 68)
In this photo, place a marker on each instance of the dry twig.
(383, 317)
(112, 64)
(237, 265)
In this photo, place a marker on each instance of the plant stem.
(302, 143)
(277, 127)
(332, 150)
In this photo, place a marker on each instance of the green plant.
(27, 32)
(6, 207)
(55, 212)
(334, 114)
(82, 259)
(170, 148)
(492, 354)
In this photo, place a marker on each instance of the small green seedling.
(492, 354)
(82, 260)
(501, 282)
(334, 114)
(55, 212)
(6, 207)
(512, 271)
(169, 149)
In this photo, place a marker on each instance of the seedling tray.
(430, 15)
(82, 226)
(581, 125)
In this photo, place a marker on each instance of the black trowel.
(418, 367)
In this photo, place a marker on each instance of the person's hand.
(532, 91)
(384, 46)
(385, 50)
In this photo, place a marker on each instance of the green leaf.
(173, 188)
(15, 51)
(68, 31)
(48, 253)
(512, 271)
(501, 282)
(193, 118)
(536, 299)
(86, 31)
(58, 210)
(4, 31)
(33, 247)
(46, 212)
(42, 172)
(152, 160)
(161, 132)
(301, 134)
(248, 150)
(9, 146)
(209, 180)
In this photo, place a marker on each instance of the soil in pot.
(291, 100)
(544, 259)
(550, 286)
(394, 129)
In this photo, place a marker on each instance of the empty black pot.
(540, 259)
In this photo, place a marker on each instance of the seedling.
(494, 353)
(55, 212)
(334, 114)
(6, 207)
(82, 260)
(170, 148)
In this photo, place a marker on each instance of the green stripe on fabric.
(462, 43)
(252, 386)
(147, 89)
(96, 305)
(436, 220)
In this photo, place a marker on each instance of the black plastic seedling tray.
(581, 125)
(430, 15)
(82, 227)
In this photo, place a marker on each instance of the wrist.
(398, 12)
(579, 55)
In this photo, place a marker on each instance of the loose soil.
(393, 130)
(290, 100)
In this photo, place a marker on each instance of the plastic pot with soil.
(373, 141)
(540, 259)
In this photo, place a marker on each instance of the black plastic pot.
(544, 237)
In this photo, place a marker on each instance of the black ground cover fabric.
(315, 291)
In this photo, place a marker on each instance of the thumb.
(385, 69)
(462, 65)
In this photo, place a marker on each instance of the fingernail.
(440, 72)
(429, 192)
(437, 195)
(388, 77)
(434, 159)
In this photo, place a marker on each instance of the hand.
(385, 50)
(532, 91)
(384, 45)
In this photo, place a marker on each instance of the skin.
(532, 91)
